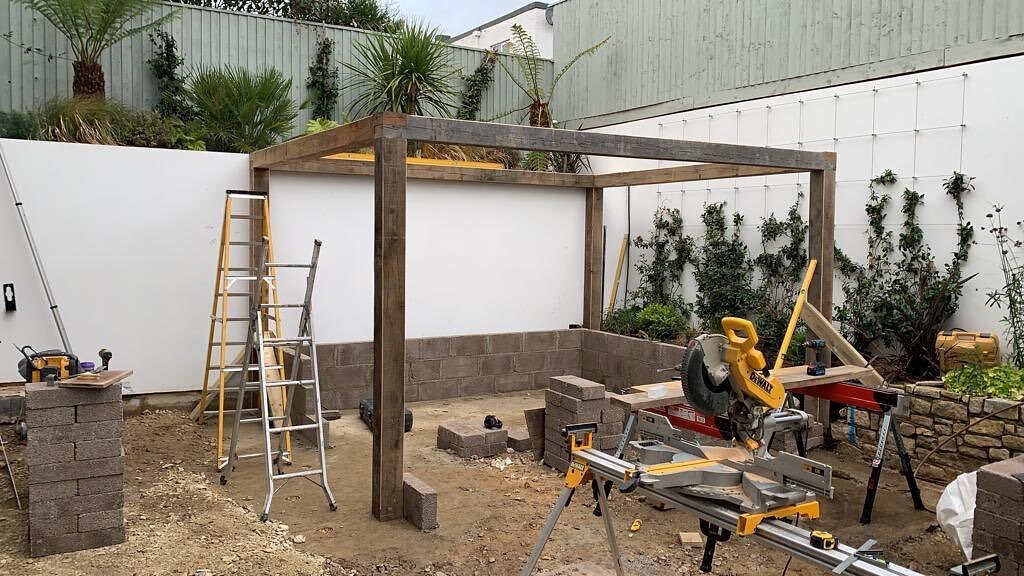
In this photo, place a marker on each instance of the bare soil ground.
(181, 521)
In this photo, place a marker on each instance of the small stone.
(299, 539)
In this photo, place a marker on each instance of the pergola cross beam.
(390, 134)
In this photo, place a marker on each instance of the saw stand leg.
(888, 426)
(549, 526)
(714, 535)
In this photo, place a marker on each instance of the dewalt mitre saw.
(725, 374)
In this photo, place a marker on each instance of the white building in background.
(495, 35)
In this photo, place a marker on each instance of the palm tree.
(92, 26)
(527, 58)
(409, 71)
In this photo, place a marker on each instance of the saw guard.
(748, 364)
(695, 379)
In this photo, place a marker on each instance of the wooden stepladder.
(238, 284)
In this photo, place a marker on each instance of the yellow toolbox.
(956, 348)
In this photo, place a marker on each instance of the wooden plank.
(389, 324)
(444, 173)
(685, 174)
(593, 258)
(102, 380)
(797, 377)
(642, 400)
(464, 133)
(841, 347)
(351, 136)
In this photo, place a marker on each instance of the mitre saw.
(725, 376)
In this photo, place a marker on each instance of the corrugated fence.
(675, 55)
(35, 62)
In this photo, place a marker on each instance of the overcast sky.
(456, 16)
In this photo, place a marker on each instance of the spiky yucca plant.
(409, 71)
(241, 111)
(526, 55)
(92, 26)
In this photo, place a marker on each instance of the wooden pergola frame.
(389, 135)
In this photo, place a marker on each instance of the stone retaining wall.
(936, 414)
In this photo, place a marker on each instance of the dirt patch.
(180, 520)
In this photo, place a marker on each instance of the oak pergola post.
(388, 322)
(390, 133)
(821, 247)
(593, 256)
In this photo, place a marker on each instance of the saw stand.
(718, 521)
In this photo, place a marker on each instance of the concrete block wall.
(75, 468)
(453, 366)
(935, 414)
(619, 362)
(999, 514)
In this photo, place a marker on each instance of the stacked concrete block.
(75, 468)
(574, 400)
(999, 514)
(471, 440)
(419, 502)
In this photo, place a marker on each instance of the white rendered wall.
(129, 239)
(533, 21)
(922, 126)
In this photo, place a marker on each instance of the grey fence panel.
(674, 55)
(35, 60)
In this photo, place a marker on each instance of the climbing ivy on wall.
(323, 80)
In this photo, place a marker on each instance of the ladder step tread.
(238, 368)
(284, 265)
(250, 194)
(244, 243)
(245, 217)
(283, 383)
(293, 340)
(313, 472)
(282, 305)
(296, 427)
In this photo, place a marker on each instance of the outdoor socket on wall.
(10, 304)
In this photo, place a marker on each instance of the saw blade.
(698, 386)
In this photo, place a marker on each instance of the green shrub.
(323, 80)
(319, 125)
(241, 111)
(165, 64)
(659, 321)
(622, 320)
(17, 125)
(1004, 381)
(142, 129)
(723, 270)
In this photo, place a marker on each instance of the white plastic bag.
(955, 511)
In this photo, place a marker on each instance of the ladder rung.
(282, 305)
(251, 195)
(230, 343)
(228, 411)
(244, 243)
(295, 427)
(238, 368)
(313, 472)
(224, 459)
(235, 294)
(296, 340)
(260, 418)
(283, 383)
(245, 217)
(278, 265)
(241, 269)
(232, 319)
(248, 277)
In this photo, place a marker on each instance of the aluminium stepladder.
(257, 344)
(236, 282)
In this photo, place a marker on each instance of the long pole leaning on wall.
(35, 254)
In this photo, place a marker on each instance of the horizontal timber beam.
(344, 138)
(445, 173)
(461, 132)
(685, 174)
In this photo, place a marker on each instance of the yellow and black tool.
(38, 366)
(823, 540)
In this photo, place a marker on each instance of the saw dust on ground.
(181, 521)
